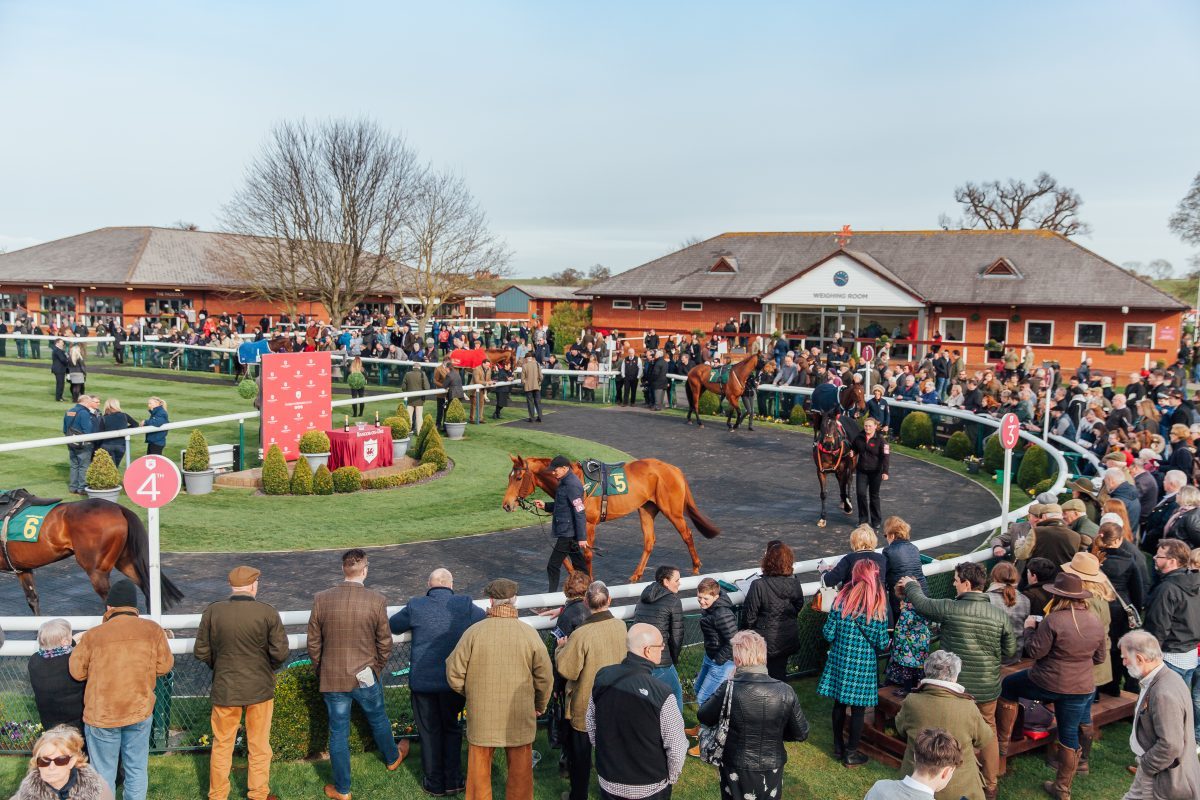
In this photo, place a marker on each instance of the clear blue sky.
(609, 132)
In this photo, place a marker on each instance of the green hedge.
(436, 454)
(400, 426)
(993, 454)
(1041, 486)
(275, 478)
(916, 430)
(300, 722)
(797, 417)
(247, 389)
(347, 480)
(302, 477)
(404, 478)
(428, 428)
(709, 403)
(1035, 468)
(455, 411)
(195, 458)
(314, 442)
(958, 446)
(323, 481)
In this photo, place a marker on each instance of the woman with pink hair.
(857, 633)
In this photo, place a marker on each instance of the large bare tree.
(1013, 204)
(446, 248)
(1185, 222)
(324, 205)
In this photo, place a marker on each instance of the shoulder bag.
(1131, 613)
(712, 738)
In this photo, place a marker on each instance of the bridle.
(840, 452)
(524, 489)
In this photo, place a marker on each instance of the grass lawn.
(238, 520)
(811, 771)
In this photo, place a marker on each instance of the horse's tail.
(137, 547)
(702, 523)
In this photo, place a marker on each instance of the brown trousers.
(989, 755)
(225, 721)
(519, 760)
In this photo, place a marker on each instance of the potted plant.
(197, 477)
(456, 419)
(314, 446)
(103, 478)
(973, 463)
(247, 389)
(401, 434)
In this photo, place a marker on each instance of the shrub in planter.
(356, 380)
(1035, 468)
(993, 454)
(195, 458)
(455, 411)
(247, 389)
(300, 723)
(275, 478)
(323, 481)
(916, 430)
(314, 442)
(797, 417)
(103, 473)
(958, 446)
(399, 425)
(709, 403)
(346, 480)
(302, 477)
(404, 478)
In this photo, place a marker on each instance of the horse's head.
(521, 482)
(830, 434)
(769, 367)
(278, 344)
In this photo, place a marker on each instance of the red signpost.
(1010, 434)
(152, 482)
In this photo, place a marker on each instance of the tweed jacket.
(851, 673)
(121, 660)
(1163, 727)
(503, 669)
(938, 706)
(531, 375)
(976, 631)
(348, 630)
(598, 642)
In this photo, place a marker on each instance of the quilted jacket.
(976, 631)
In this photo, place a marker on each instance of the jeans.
(670, 677)
(129, 744)
(81, 459)
(370, 700)
(533, 404)
(710, 677)
(940, 386)
(1069, 709)
(1191, 678)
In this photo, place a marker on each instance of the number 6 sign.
(152, 481)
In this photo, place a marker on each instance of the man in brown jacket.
(121, 660)
(243, 641)
(1053, 538)
(598, 642)
(501, 666)
(531, 382)
(349, 643)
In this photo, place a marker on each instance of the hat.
(1047, 497)
(1074, 505)
(1069, 586)
(1085, 566)
(1051, 509)
(122, 594)
(1083, 485)
(1146, 454)
(1115, 519)
(559, 461)
(1177, 393)
(243, 576)
(501, 589)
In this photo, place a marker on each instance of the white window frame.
(1049, 322)
(987, 324)
(1153, 333)
(626, 305)
(942, 329)
(656, 305)
(691, 305)
(1103, 333)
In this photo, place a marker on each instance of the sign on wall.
(296, 398)
(842, 280)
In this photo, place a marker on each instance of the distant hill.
(1181, 288)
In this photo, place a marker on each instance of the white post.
(155, 565)
(1046, 413)
(1004, 499)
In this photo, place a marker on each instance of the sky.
(611, 132)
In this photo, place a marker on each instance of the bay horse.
(699, 380)
(832, 454)
(101, 535)
(653, 486)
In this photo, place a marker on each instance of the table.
(369, 448)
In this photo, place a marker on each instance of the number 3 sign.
(152, 481)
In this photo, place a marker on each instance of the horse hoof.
(821, 523)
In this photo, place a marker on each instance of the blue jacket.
(157, 417)
(437, 621)
(825, 398)
(880, 410)
(81, 418)
(570, 521)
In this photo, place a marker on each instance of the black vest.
(629, 701)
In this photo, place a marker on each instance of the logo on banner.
(370, 450)
(299, 394)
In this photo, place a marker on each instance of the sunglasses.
(58, 761)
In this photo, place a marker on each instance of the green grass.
(464, 501)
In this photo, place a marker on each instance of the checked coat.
(348, 630)
(851, 674)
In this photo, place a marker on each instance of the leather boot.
(1068, 762)
(1006, 718)
(1085, 748)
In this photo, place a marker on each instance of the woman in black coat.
(1121, 569)
(763, 714)
(772, 604)
(58, 696)
(862, 546)
(501, 375)
(114, 419)
(902, 558)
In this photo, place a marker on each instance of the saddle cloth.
(720, 375)
(603, 479)
(22, 514)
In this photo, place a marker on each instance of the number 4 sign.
(152, 482)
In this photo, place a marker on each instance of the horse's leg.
(31, 595)
(821, 481)
(589, 553)
(845, 476)
(647, 519)
(100, 582)
(687, 387)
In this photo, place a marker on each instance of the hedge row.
(401, 479)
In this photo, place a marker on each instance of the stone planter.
(316, 460)
(198, 482)
(103, 494)
(400, 448)
(454, 430)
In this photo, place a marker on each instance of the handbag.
(823, 600)
(75, 377)
(712, 738)
(1131, 613)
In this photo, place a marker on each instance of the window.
(1139, 335)
(56, 305)
(622, 304)
(102, 309)
(1039, 332)
(1001, 268)
(12, 302)
(1089, 334)
(754, 318)
(997, 330)
(692, 305)
(656, 305)
(954, 329)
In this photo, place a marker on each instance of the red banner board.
(296, 396)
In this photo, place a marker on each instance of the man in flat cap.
(243, 641)
(1075, 515)
(569, 526)
(503, 669)
(1052, 538)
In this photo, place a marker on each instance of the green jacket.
(415, 380)
(1086, 529)
(244, 642)
(976, 631)
(935, 706)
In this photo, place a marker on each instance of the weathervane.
(843, 238)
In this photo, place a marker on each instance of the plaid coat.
(851, 674)
(503, 669)
(348, 630)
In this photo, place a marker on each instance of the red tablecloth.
(369, 448)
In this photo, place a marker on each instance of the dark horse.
(740, 374)
(102, 535)
(832, 454)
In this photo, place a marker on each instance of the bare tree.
(567, 277)
(446, 248)
(335, 196)
(1014, 204)
(598, 272)
(1157, 269)
(184, 225)
(1185, 222)
(688, 242)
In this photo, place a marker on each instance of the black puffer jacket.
(764, 714)
(662, 608)
(771, 607)
(719, 623)
(1187, 528)
(573, 615)
(1173, 611)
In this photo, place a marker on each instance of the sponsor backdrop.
(296, 398)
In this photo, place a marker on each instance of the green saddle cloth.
(615, 482)
(26, 524)
(721, 374)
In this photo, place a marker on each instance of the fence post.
(241, 444)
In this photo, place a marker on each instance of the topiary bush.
(399, 425)
(1035, 468)
(247, 389)
(428, 428)
(275, 478)
(709, 403)
(1041, 486)
(323, 481)
(302, 477)
(958, 446)
(314, 442)
(102, 473)
(356, 380)
(993, 454)
(916, 430)
(435, 454)
(300, 722)
(455, 411)
(404, 478)
(195, 458)
(797, 417)
(347, 480)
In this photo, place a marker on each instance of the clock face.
(841, 277)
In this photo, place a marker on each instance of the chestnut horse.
(653, 486)
(102, 535)
(698, 380)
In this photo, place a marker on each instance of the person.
(114, 419)
(243, 641)
(1173, 614)
(415, 380)
(772, 605)
(862, 548)
(659, 380)
(630, 369)
(596, 643)
(856, 629)
(121, 659)
(59, 696)
(349, 644)
(871, 468)
(941, 702)
(356, 368)
(569, 524)
(763, 714)
(1118, 487)
(1162, 512)
(1064, 645)
(1002, 593)
(1163, 737)
(80, 419)
(659, 605)
(60, 365)
(502, 668)
(451, 381)
(501, 376)
(1075, 517)
(879, 410)
(979, 634)
(1052, 538)
(76, 372)
(634, 725)
(1039, 573)
(936, 756)
(59, 769)
(902, 557)
(531, 383)
(155, 442)
(718, 624)
(1120, 566)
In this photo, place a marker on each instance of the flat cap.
(501, 589)
(1037, 509)
(1051, 509)
(1076, 505)
(243, 576)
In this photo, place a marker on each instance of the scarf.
(55, 652)
(503, 611)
